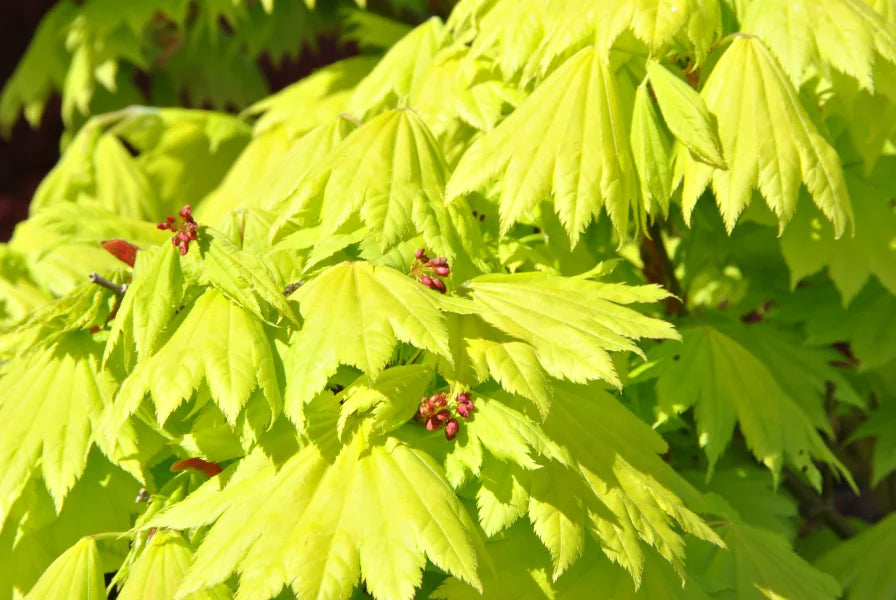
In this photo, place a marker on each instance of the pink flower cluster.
(428, 270)
(434, 412)
(184, 228)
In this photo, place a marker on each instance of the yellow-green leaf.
(76, 575)
(748, 92)
(652, 151)
(567, 140)
(686, 115)
(354, 313)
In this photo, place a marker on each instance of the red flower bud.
(451, 428)
(186, 212)
(463, 397)
(463, 410)
(420, 253)
(441, 399)
(439, 285)
(443, 415)
(426, 280)
(432, 424)
(426, 410)
(441, 271)
(439, 261)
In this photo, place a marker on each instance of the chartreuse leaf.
(121, 186)
(393, 397)
(213, 341)
(379, 508)
(354, 313)
(572, 324)
(389, 172)
(654, 22)
(395, 75)
(515, 366)
(313, 100)
(631, 497)
(152, 299)
(728, 384)
(591, 467)
(521, 571)
(61, 243)
(846, 34)
(286, 195)
(158, 571)
(458, 90)
(686, 115)
(243, 277)
(183, 153)
(62, 379)
(505, 431)
(809, 244)
(567, 140)
(77, 575)
(758, 564)
(747, 91)
(862, 564)
(19, 291)
(652, 151)
(34, 535)
(85, 307)
(510, 32)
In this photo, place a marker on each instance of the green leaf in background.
(759, 565)
(728, 385)
(880, 425)
(862, 564)
(809, 244)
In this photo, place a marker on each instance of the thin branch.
(119, 290)
(659, 268)
(812, 505)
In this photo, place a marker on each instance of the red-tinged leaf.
(197, 464)
(124, 251)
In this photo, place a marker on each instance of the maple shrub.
(549, 299)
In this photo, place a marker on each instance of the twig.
(119, 290)
(814, 506)
(658, 268)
